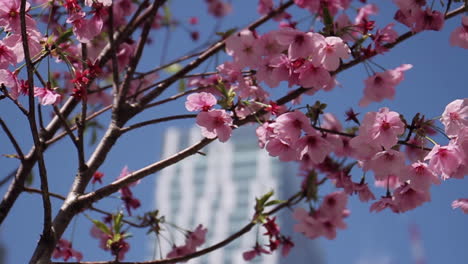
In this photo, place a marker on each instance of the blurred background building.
(218, 189)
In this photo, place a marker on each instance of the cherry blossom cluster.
(275, 239)
(64, 250)
(193, 240)
(213, 122)
(106, 235)
(326, 219)
(127, 197)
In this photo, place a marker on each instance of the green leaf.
(273, 202)
(182, 86)
(103, 227)
(64, 36)
(173, 68)
(117, 222)
(227, 33)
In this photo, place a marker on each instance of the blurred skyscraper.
(218, 190)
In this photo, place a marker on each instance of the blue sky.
(437, 78)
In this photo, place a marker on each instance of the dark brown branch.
(47, 231)
(139, 52)
(156, 121)
(13, 141)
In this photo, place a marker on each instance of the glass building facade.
(218, 189)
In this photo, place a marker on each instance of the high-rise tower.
(218, 190)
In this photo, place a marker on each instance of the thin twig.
(12, 138)
(156, 121)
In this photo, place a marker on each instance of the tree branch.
(156, 121)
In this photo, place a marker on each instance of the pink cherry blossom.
(385, 202)
(384, 36)
(382, 85)
(382, 128)
(386, 162)
(461, 203)
(364, 12)
(10, 16)
(290, 125)
(264, 6)
(103, 2)
(85, 29)
(218, 8)
(445, 160)
(64, 250)
(455, 116)
(325, 220)
(311, 76)
(301, 45)
(331, 53)
(196, 238)
(428, 20)
(215, 123)
(200, 101)
(244, 47)
(459, 37)
(7, 56)
(284, 149)
(408, 198)
(47, 96)
(11, 82)
(314, 145)
(420, 177)
(256, 251)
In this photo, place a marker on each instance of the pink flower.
(314, 145)
(290, 125)
(85, 30)
(47, 96)
(127, 197)
(215, 123)
(218, 8)
(384, 36)
(386, 162)
(265, 6)
(385, 202)
(428, 20)
(256, 251)
(7, 56)
(461, 203)
(244, 47)
(408, 198)
(301, 45)
(329, 55)
(455, 116)
(364, 12)
(459, 36)
(325, 220)
(311, 76)
(10, 18)
(64, 250)
(382, 128)
(200, 101)
(282, 148)
(103, 2)
(196, 238)
(10, 81)
(420, 177)
(445, 160)
(382, 85)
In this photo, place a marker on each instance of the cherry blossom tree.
(71, 68)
